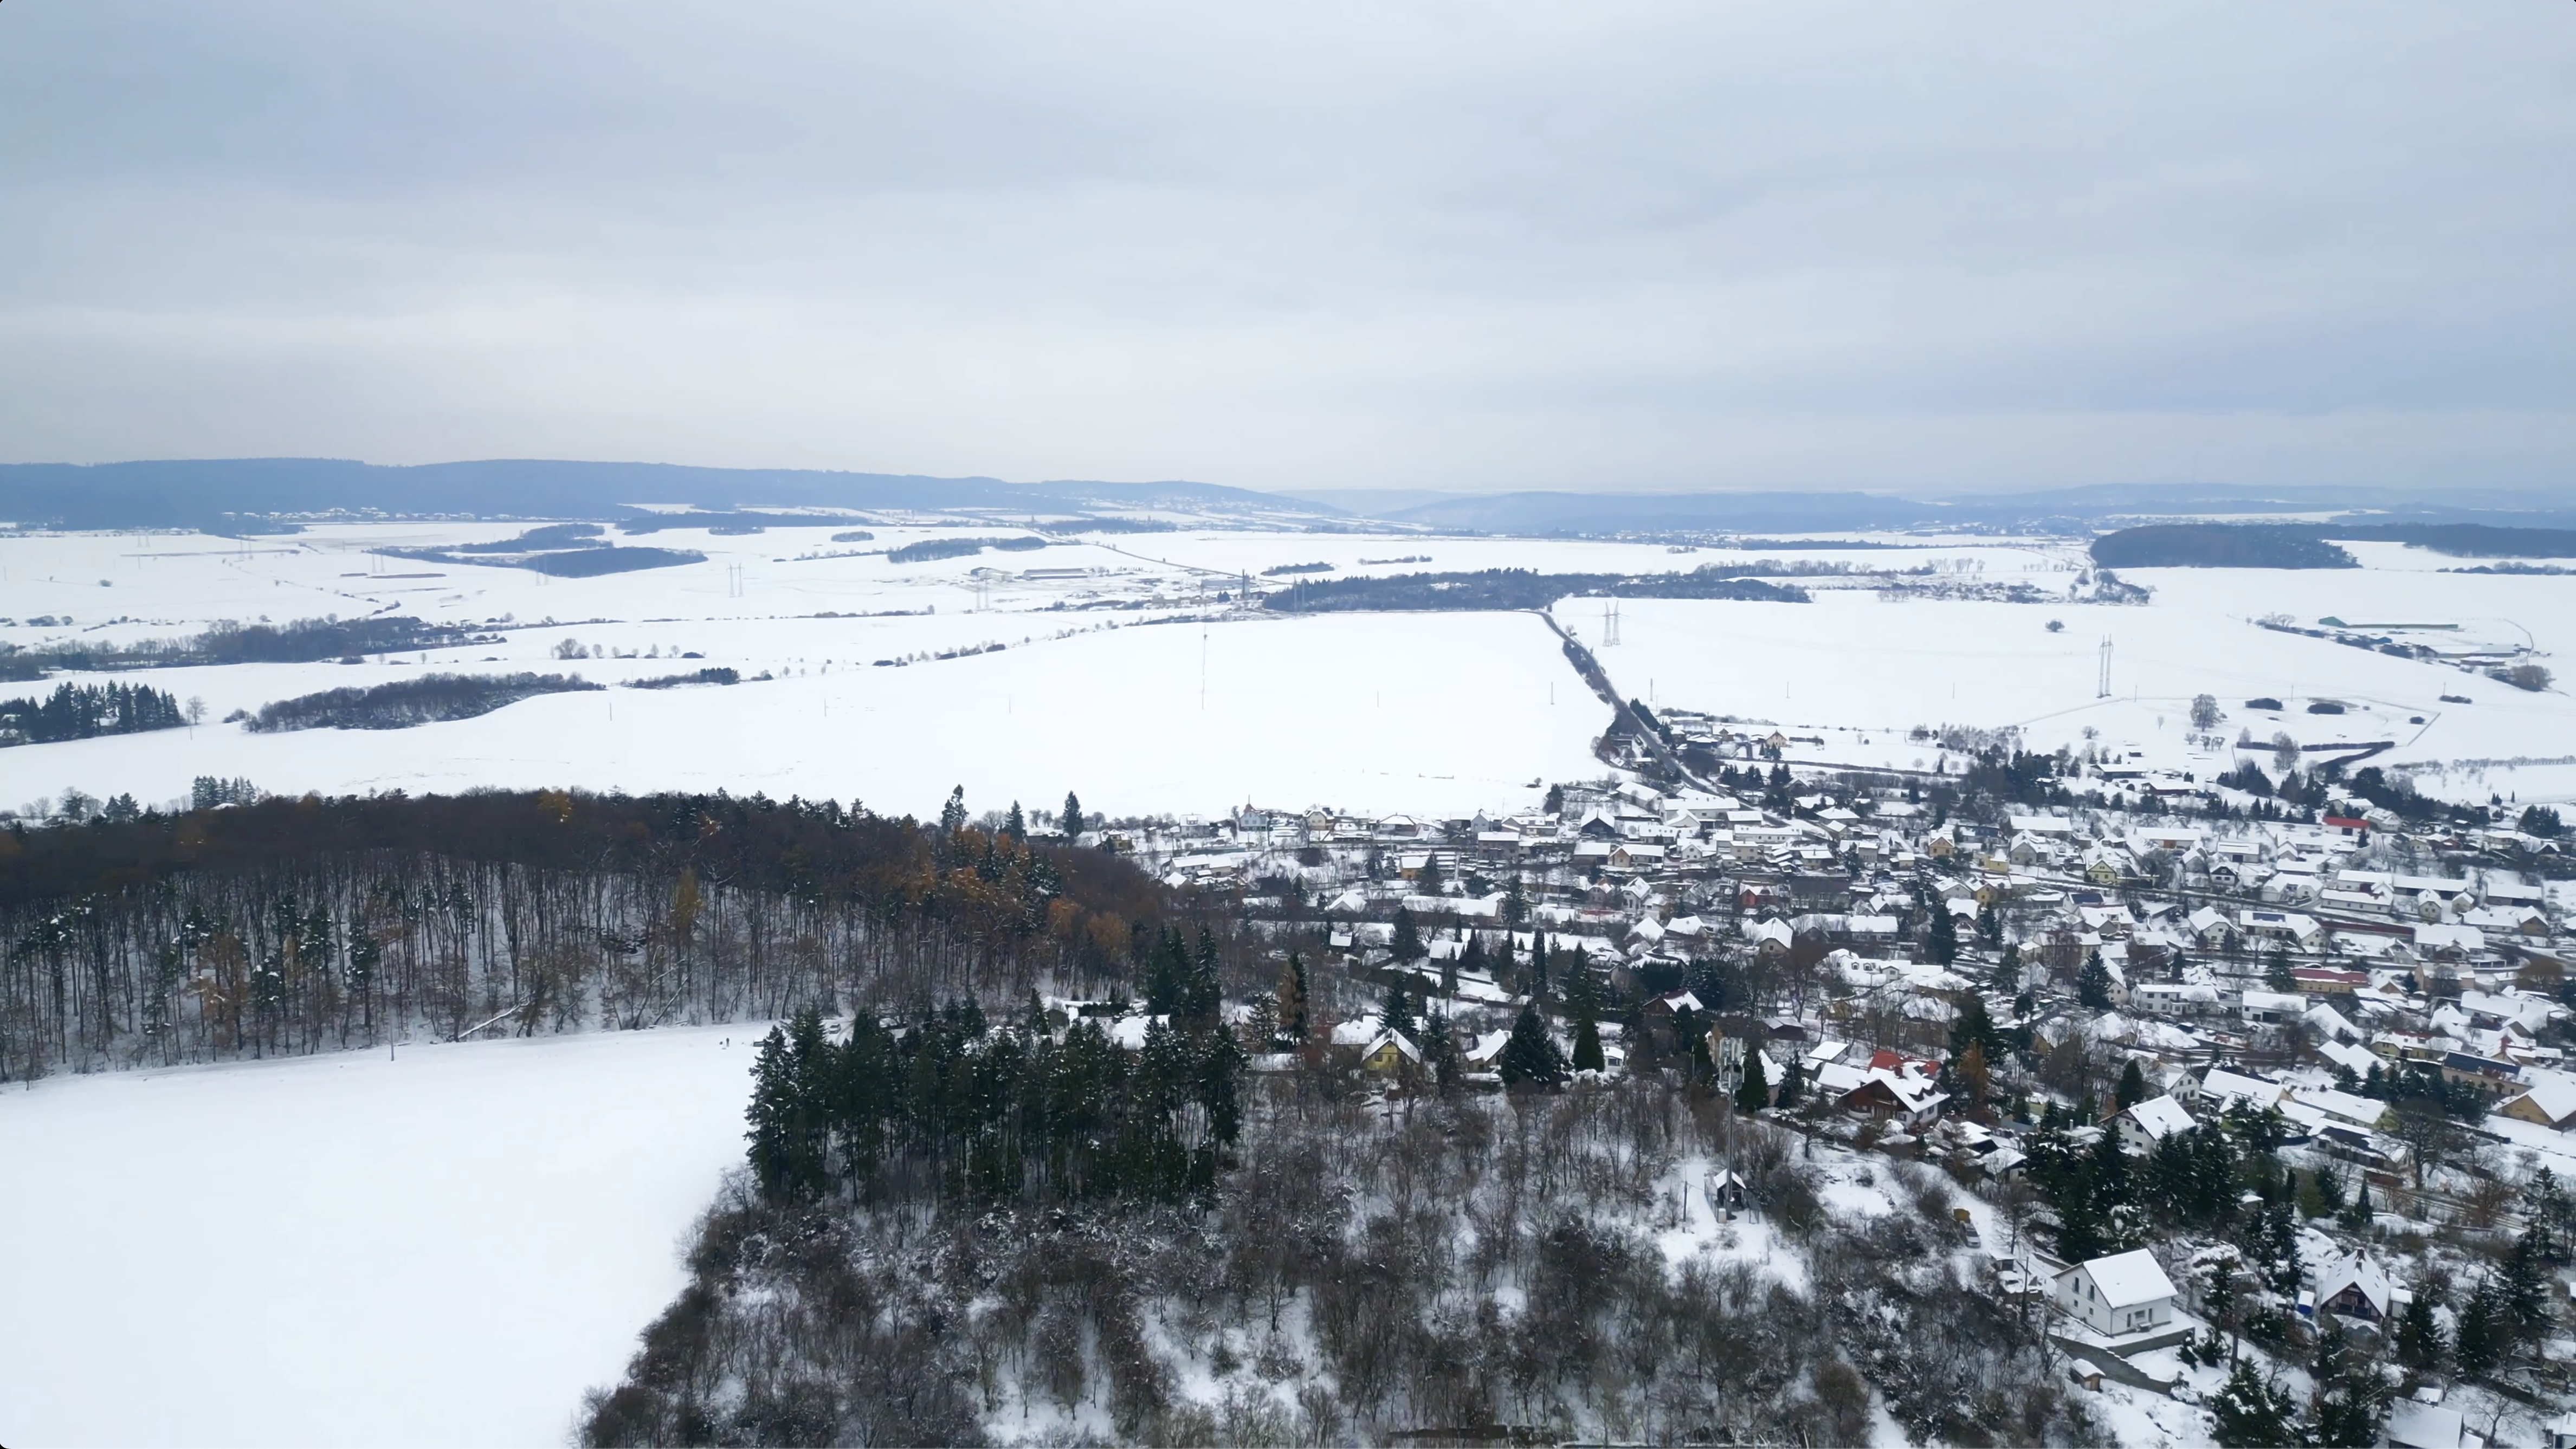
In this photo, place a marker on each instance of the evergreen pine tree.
(1440, 1049)
(952, 816)
(2093, 982)
(1407, 943)
(1071, 823)
(1292, 1000)
(1204, 995)
(1015, 826)
(2419, 1334)
(1396, 1010)
(2481, 1333)
(1451, 965)
(2356, 1215)
(1793, 1081)
(2249, 1412)
(1530, 1057)
(1304, 1020)
(2008, 969)
(2132, 1089)
(2522, 1286)
(1538, 970)
(1943, 946)
(2350, 1397)
(1582, 1000)
(1754, 1093)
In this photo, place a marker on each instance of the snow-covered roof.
(2555, 1096)
(2126, 1280)
(2445, 938)
(2225, 1088)
(2423, 1426)
(2160, 1117)
(2357, 1060)
(2354, 1270)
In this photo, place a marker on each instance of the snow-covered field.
(446, 1248)
(1113, 682)
(1861, 672)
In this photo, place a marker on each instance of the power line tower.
(2102, 686)
(1609, 623)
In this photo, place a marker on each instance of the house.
(2288, 927)
(2144, 1124)
(1900, 1094)
(1393, 1052)
(2346, 827)
(2351, 1286)
(2220, 1089)
(2121, 1294)
(2552, 1104)
(2448, 943)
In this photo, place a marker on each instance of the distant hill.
(227, 492)
(1602, 513)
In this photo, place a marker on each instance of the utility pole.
(2102, 686)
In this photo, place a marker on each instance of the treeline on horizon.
(2312, 546)
(302, 641)
(1524, 589)
(294, 926)
(931, 549)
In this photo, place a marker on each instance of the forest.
(1448, 1268)
(2309, 545)
(1522, 589)
(296, 926)
(430, 699)
(302, 641)
(931, 549)
(85, 711)
(2220, 546)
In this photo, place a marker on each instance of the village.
(2372, 1011)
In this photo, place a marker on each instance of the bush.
(2326, 706)
(2541, 820)
(2262, 701)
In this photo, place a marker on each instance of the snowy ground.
(1859, 672)
(447, 1248)
(1441, 713)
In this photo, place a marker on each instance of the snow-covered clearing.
(446, 1248)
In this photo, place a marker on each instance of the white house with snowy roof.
(2144, 1124)
(2121, 1294)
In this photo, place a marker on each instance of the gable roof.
(2128, 1279)
(2160, 1117)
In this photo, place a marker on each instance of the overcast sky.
(1801, 244)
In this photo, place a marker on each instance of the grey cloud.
(1329, 246)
